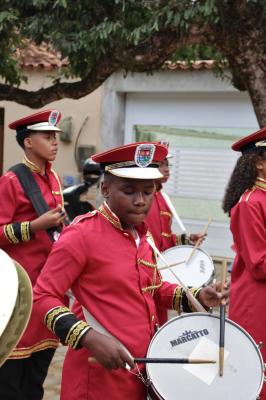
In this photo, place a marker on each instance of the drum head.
(8, 289)
(20, 315)
(197, 272)
(197, 336)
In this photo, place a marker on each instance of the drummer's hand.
(194, 237)
(211, 296)
(106, 350)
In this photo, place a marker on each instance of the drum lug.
(260, 345)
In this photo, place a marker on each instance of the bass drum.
(15, 304)
(197, 272)
(196, 335)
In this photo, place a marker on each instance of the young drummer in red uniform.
(159, 218)
(159, 221)
(24, 237)
(245, 202)
(106, 259)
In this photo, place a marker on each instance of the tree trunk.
(250, 76)
(244, 49)
(256, 86)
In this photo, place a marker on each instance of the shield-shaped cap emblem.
(53, 117)
(144, 154)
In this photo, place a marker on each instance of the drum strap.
(173, 211)
(33, 192)
(92, 321)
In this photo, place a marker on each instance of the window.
(200, 168)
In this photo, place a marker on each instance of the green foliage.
(197, 52)
(89, 31)
(86, 31)
(9, 41)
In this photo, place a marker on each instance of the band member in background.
(159, 221)
(25, 238)
(106, 258)
(245, 202)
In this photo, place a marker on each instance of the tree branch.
(58, 91)
(145, 57)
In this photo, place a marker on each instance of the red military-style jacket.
(248, 283)
(159, 221)
(119, 284)
(31, 251)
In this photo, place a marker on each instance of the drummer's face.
(129, 199)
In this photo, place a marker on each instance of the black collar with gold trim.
(261, 183)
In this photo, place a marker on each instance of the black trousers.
(23, 379)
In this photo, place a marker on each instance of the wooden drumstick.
(198, 242)
(192, 299)
(222, 322)
(172, 265)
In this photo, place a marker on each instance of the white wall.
(228, 110)
(88, 106)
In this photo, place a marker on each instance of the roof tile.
(45, 57)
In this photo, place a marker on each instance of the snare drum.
(196, 335)
(198, 272)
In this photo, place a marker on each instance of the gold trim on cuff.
(25, 231)
(9, 234)
(177, 299)
(52, 314)
(75, 333)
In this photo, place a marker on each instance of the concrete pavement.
(53, 379)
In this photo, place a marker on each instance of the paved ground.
(53, 380)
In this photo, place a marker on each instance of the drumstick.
(165, 360)
(192, 299)
(222, 322)
(172, 265)
(198, 242)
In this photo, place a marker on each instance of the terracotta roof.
(45, 57)
(199, 64)
(40, 57)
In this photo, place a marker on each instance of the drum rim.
(189, 246)
(20, 316)
(209, 316)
